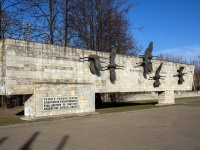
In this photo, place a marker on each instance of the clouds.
(187, 52)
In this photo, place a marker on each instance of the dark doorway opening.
(113, 100)
(98, 101)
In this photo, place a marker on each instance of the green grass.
(188, 98)
(9, 117)
(10, 120)
(123, 109)
(131, 106)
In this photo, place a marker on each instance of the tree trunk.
(1, 32)
(66, 23)
(51, 22)
(3, 101)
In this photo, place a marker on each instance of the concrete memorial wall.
(50, 71)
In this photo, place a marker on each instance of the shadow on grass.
(124, 104)
(109, 107)
(21, 113)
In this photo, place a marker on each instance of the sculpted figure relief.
(180, 75)
(95, 64)
(147, 64)
(157, 76)
(112, 66)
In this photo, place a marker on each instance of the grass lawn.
(4, 121)
(127, 106)
(12, 116)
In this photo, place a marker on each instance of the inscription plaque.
(60, 103)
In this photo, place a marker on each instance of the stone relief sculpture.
(147, 64)
(180, 75)
(157, 76)
(112, 66)
(95, 63)
(95, 66)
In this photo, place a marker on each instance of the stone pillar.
(29, 107)
(166, 97)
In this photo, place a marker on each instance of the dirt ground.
(14, 112)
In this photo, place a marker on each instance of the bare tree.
(10, 15)
(101, 25)
(172, 58)
(43, 14)
(119, 35)
(66, 8)
(196, 63)
(90, 24)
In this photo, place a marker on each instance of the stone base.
(59, 116)
(60, 99)
(166, 97)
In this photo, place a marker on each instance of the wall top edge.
(14, 41)
(62, 83)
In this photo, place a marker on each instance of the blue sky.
(172, 25)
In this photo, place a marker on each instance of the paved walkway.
(169, 128)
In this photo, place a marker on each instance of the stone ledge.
(59, 116)
(163, 104)
(60, 82)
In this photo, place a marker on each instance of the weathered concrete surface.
(25, 64)
(175, 127)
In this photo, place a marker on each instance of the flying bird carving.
(180, 75)
(95, 63)
(112, 65)
(146, 63)
(157, 76)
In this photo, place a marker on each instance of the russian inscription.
(60, 103)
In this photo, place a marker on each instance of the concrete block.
(166, 97)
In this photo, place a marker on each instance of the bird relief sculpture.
(157, 76)
(180, 75)
(146, 63)
(95, 63)
(112, 66)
